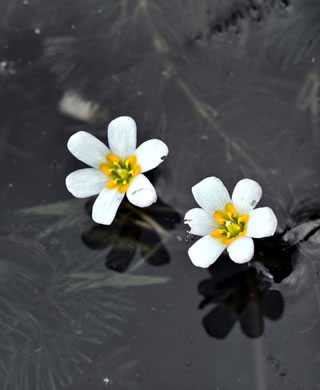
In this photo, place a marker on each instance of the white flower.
(227, 223)
(115, 171)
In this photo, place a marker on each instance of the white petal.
(241, 250)
(122, 136)
(200, 222)
(211, 194)
(86, 182)
(87, 148)
(262, 223)
(246, 195)
(205, 251)
(141, 192)
(106, 205)
(150, 154)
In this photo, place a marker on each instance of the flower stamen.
(231, 225)
(121, 172)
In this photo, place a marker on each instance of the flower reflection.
(245, 292)
(239, 293)
(133, 231)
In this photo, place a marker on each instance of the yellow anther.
(231, 211)
(131, 172)
(105, 168)
(228, 241)
(217, 233)
(244, 219)
(136, 170)
(220, 217)
(124, 182)
(117, 164)
(113, 158)
(112, 184)
(123, 188)
(131, 160)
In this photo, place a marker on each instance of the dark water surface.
(233, 88)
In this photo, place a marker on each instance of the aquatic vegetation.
(207, 78)
(36, 291)
(227, 223)
(44, 280)
(297, 39)
(116, 171)
(233, 17)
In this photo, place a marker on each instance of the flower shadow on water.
(245, 292)
(134, 230)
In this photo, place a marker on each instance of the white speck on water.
(106, 381)
(25, 2)
(10, 185)
(7, 68)
(179, 238)
(37, 31)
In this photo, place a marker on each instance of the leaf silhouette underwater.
(134, 230)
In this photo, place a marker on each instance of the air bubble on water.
(37, 31)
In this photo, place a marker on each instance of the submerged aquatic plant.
(116, 171)
(49, 325)
(58, 308)
(227, 223)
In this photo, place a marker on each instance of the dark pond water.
(233, 88)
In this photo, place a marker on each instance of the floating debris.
(74, 105)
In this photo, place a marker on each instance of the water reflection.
(245, 292)
(240, 293)
(134, 230)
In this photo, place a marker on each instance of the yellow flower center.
(231, 224)
(121, 172)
